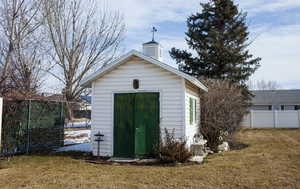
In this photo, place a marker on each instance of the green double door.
(136, 124)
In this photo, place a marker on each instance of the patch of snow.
(76, 141)
(76, 137)
(198, 159)
(85, 147)
(78, 124)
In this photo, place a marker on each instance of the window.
(193, 110)
(297, 107)
(270, 107)
(282, 107)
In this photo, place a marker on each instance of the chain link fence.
(31, 125)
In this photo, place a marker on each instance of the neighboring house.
(137, 96)
(86, 102)
(81, 106)
(276, 100)
(82, 109)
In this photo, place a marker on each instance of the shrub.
(222, 110)
(173, 150)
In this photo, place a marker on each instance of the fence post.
(299, 118)
(1, 111)
(28, 125)
(251, 118)
(275, 118)
(62, 122)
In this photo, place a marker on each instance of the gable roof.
(276, 97)
(102, 71)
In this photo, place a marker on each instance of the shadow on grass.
(89, 158)
(237, 145)
(72, 154)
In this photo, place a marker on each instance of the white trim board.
(102, 71)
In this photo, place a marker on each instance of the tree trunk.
(70, 111)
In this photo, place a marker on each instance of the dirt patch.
(76, 129)
(76, 136)
(236, 145)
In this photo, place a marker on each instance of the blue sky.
(274, 26)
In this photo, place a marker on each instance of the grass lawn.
(272, 160)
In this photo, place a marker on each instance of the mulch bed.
(104, 161)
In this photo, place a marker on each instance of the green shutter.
(195, 109)
(191, 111)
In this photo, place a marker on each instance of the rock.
(197, 159)
(198, 149)
(223, 147)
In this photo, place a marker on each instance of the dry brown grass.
(271, 161)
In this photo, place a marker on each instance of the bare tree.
(82, 40)
(21, 52)
(263, 85)
(222, 110)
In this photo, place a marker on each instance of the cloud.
(141, 13)
(257, 6)
(279, 49)
(170, 42)
(277, 46)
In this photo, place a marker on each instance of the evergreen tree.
(218, 37)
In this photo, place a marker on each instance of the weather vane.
(153, 31)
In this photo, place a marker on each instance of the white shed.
(135, 97)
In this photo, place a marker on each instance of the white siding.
(152, 79)
(191, 130)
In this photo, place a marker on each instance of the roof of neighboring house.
(87, 99)
(279, 97)
(99, 73)
(18, 95)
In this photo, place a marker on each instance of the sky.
(274, 27)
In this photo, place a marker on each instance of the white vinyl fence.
(272, 119)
